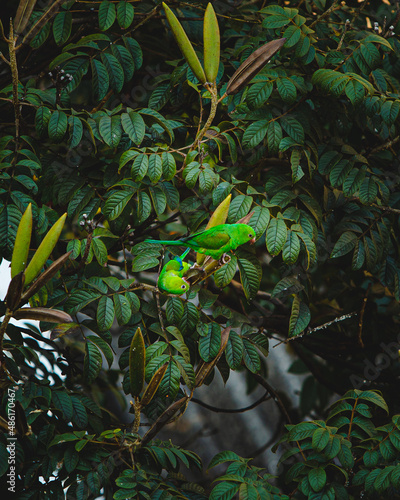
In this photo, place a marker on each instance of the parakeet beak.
(252, 241)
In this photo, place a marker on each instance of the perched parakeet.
(171, 279)
(215, 241)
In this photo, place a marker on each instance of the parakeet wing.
(212, 239)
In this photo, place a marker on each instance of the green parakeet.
(171, 279)
(215, 241)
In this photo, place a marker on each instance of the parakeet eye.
(250, 236)
(183, 287)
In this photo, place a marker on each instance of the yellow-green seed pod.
(218, 217)
(211, 41)
(22, 242)
(44, 250)
(185, 45)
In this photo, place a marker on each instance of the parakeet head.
(174, 284)
(246, 233)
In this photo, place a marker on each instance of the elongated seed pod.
(211, 41)
(43, 314)
(252, 65)
(185, 45)
(218, 217)
(137, 357)
(46, 276)
(22, 242)
(14, 292)
(43, 252)
(154, 383)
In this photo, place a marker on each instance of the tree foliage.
(104, 119)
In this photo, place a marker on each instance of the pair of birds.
(214, 242)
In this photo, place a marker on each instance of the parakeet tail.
(185, 253)
(165, 242)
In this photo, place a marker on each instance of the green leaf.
(276, 21)
(317, 478)
(80, 416)
(224, 275)
(80, 299)
(368, 191)
(186, 369)
(75, 131)
(122, 308)
(62, 27)
(286, 89)
(170, 383)
(110, 130)
(299, 317)
(114, 70)
(92, 362)
(274, 136)
(144, 206)
(134, 126)
(100, 251)
(115, 204)
(100, 79)
(168, 166)
(254, 134)
(222, 457)
(234, 350)
(248, 492)
(375, 398)
(57, 126)
(42, 118)
(159, 199)
(135, 50)
(354, 91)
(125, 59)
(259, 220)
(105, 313)
(224, 491)
(174, 310)
(107, 15)
(258, 94)
(63, 402)
(293, 128)
(160, 96)
(287, 286)
(143, 262)
(104, 347)
(344, 245)
(276, 235)
(239, 207)
(251, 357)
(250, 276)
(291, 248)
(292, 35)
(390, 111)
(140, 167)
(154, 170)
(125, 13)
(210, 343)
(189, 318)
(320, 439)
(297, 171)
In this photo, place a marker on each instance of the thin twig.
(360, 323)
(263, 398)
(324, 14)
(274, 395)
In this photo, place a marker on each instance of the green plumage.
(215, 241)
(171, 279)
